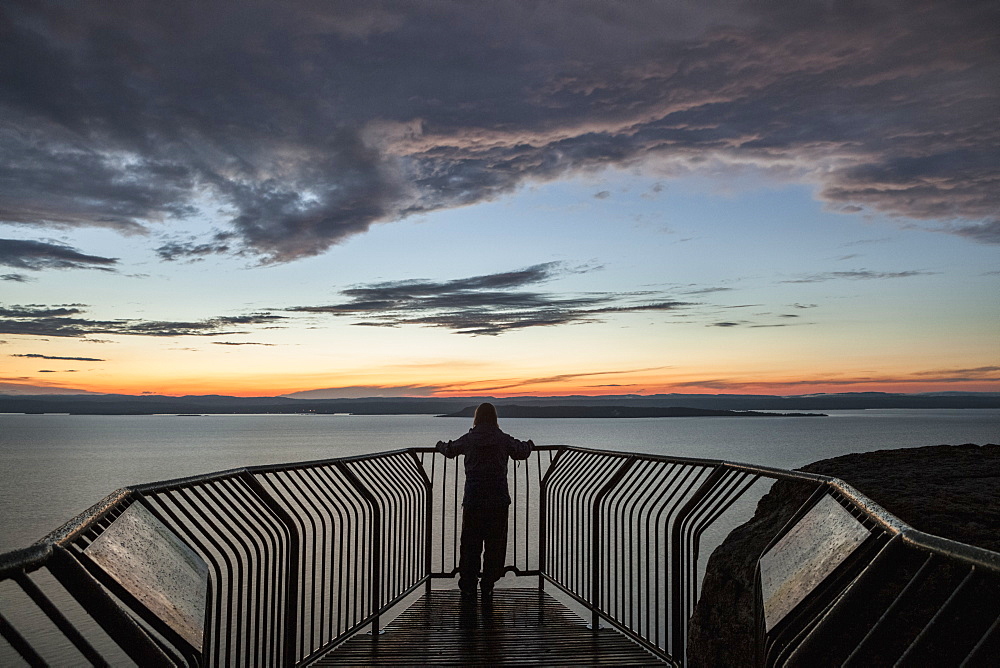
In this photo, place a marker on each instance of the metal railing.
(300, 557)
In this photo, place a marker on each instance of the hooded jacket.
(486, 450)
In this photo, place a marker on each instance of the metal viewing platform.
(301, 564)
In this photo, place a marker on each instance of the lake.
(55, 466)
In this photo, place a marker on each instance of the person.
(486, 499)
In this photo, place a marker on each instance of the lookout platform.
(522, 627)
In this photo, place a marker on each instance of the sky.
(341, 199)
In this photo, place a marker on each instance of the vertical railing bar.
(20, 645)
(272, 531)
(392, 520)
(279, 483)
(596, 534)
(411, 524)
(650, 502)
(293, 551)
(543, 518)
(428, 524)
(641, 484)
(614, 589)
(323, 493)
(556, 510)
(891, 609)
(685, 485)
(58, 618)
(584, 571)
(444, 508)
(454, 529)
(348, 515)
(229, 506)
(669, 486)
(312, 492)
(573, 502)
(982, 642)
(678, 640)
(615, 530)
(375, 542)
(356, 538)
(432, 515)
(700, 520)
(515, 508)
(937, 615)
(207, 512)
(187, 508)
(318, 534)
(715, 497)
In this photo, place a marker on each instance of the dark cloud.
(306, 122)
(241, 343)
(63, 321)
(38, 255)
(192, 250)
(493, 385)
(54, 357)
(490, 304)
(604, 194)
(860, 275)
(17, 278)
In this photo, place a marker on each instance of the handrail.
(301, 556)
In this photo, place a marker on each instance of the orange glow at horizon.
(270, 386)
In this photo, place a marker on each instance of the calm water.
(54, 466)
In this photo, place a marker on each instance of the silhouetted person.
(486, 500)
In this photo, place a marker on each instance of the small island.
(517, 411)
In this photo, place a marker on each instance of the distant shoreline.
(516, 411)
(626, 405)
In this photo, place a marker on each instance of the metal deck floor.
(520, 627)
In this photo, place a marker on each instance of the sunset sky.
(454, 198)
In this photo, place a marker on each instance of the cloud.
(294, 125)
(17, 278)
(241, 343)
(63, 321)
(359, 391)
(510, 384)
(861, 275)
(23, 388)
(53, 357)
(38, 255)
(490, 304)
(604, 194)
(980, 375)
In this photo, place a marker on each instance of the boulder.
(949, 491)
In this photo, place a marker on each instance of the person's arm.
(519, 449)
(451, 449)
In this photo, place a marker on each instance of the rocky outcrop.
(950, 491)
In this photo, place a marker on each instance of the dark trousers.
(484, 543)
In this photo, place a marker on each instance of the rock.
(949, 491)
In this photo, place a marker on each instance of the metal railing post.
(375, 545)
(428, 519)
(292, 574)
(678, 644)
(595, 542)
